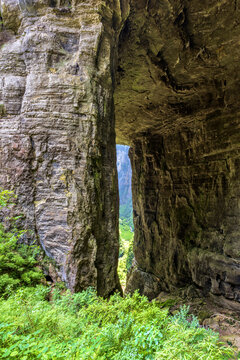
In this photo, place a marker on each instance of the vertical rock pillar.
(57, 131)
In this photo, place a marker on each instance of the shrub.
(17, 261)
(83, 327)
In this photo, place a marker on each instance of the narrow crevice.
(126, 228)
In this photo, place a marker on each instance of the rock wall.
(177, 105)
(187, 211)
(169, 71)
(57, 131)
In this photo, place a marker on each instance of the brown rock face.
(186, 212)
(173, 69)
(178, 93)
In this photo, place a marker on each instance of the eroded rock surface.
(177, 105)
(58, 132)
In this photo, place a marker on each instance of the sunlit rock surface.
(57, 131)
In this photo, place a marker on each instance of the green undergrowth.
(38, 322)
(18, 261)
(125, 251)
(125, 212)
(83, 326)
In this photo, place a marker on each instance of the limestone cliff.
(172, 69)
(57, 131)
(124, 183)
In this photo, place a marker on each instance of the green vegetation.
(83, 327)
(125, 231)
(125, 251)
(17, 261)
(125, 212)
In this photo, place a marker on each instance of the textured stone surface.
(186, 210)
(124, 176)
(177, 105)
(178, 62)
(57, 131)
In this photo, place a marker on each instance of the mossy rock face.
(168, 303)
(204, 314)
(11, 14)
(2, 110)
(66, 153)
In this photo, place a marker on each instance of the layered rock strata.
(178, 91)
(57, 131)
(186, 211)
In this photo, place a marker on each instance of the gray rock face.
(176, 95)
(124, 175)
(57, 131)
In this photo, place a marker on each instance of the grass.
(18, 261)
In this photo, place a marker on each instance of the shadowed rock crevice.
(185, 214)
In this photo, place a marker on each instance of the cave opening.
(126, 227)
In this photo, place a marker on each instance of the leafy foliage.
(84, 327)
(17, 261)
(188, 341)
(126, 250)
(125, 212)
